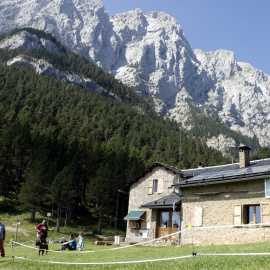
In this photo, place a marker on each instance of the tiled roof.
(190, 174)
(228, 167)
(163, 202)
(218, 174)
(156, 164)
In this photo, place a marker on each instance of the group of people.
(42, 232)
(72, 244)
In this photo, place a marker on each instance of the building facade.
(225, 213)
(225, 204)
(153, 207)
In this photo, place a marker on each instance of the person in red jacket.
(42, 230)
(2, 238)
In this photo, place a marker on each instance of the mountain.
(151, 52)
(84, 145)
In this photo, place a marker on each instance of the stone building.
(226, 204)
(153, 209)
(210, 205)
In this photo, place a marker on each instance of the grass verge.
(102, 255)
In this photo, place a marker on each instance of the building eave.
(159, 206)
(164, 202)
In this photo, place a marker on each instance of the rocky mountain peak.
(220, 64)
(151, 52)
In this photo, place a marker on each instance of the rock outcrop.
(151, 52)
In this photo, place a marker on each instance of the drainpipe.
(179, 214)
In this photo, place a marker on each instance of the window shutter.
(265, 212)
(160, 185)
(198, 216)
(150, 187)
(237, 214)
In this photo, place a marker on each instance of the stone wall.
(139, 196)
(223, 206)
(225, 236)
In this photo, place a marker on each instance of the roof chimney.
(201, 165)
(244, 160)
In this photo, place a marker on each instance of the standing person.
(70, 245)
(80, 240)
(2, 238)
(42, 229)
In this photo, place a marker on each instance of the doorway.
(169, 223)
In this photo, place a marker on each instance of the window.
(175, 220)
(139, 223)
(267, 188)
(164, 219)
(169, 219)
(169, 223)
(155, 186)
(252, 214)
(135, 224)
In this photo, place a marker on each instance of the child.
(70, 245)
(80, 240)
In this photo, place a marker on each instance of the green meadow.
(114, 257)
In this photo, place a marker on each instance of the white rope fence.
(144, 243)
(160, 238)
(30, 241)
(102, 250)
(256, 225)
(106, 263)
(233, 254)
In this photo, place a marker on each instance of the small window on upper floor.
(267, 188)
(155, 186)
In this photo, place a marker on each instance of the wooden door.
(168, 224)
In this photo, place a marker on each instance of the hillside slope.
(42, 52)
(151, 52)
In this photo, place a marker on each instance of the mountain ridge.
(76, 70)
(151, 52)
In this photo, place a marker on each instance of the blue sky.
(241, 26)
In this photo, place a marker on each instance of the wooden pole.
(16, 231)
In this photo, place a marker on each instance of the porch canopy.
(134, 215)
(164, 202)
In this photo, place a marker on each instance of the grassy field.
(103, 255)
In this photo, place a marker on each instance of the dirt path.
(12, 229)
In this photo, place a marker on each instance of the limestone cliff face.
(25, 41)
(41, 66)
(221, 142)
(151, 52)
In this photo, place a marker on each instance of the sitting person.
(70, 245)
